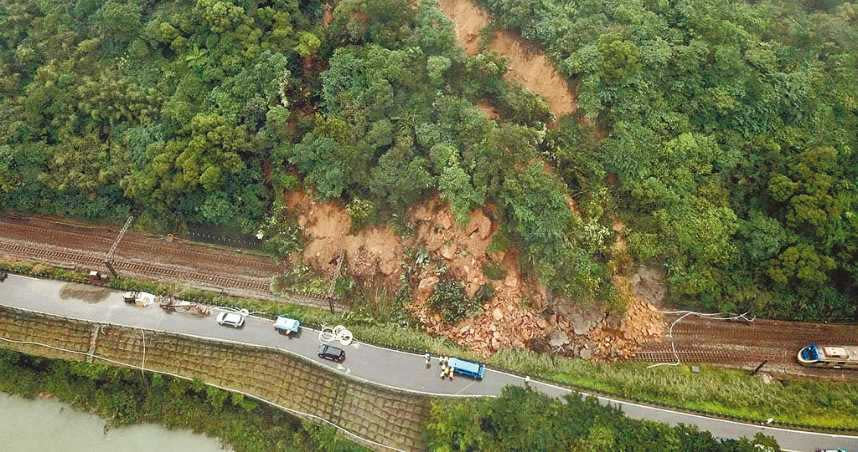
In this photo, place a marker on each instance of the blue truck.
(467, 368)
(286, 326)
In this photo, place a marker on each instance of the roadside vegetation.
(526, 420)
(799, 402)
(125, 397)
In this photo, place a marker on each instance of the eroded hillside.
(520, 312)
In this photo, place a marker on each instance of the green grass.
(724, 392)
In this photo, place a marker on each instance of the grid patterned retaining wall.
(382, 415)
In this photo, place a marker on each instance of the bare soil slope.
(520, 314)
(528, 65)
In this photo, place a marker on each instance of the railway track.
(666, 355)
(65, 256)
(762, 332)
(134, 245)
(702, 340)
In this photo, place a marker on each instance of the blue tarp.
(287, 324)
(467, 368)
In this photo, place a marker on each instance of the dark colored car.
(332, 353)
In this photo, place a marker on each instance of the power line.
(710, 316)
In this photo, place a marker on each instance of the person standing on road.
(428, 360)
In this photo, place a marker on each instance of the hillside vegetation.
(732, 132)
(729, 126)
(208, 110)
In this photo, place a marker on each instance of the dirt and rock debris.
(520, 313)
(528, 66)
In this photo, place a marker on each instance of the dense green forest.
(126, 397)
(729, 129)
(526, 420)
(207, 110)
(732, 130)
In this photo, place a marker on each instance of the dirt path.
(528, 65)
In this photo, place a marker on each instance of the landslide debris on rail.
(521, 313)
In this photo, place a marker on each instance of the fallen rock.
(444, 220)
(511, 281)
(481, 224)
(586, 353)
(497, 314)
(558, 339)
(471, 288)
(584, 321)
(648, 285)
(426, 285)
(388, 267)
(448, 251)
(614, 321)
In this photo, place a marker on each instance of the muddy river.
(48, 425)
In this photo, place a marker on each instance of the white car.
(233, 319)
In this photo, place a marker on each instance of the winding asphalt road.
(392, 368)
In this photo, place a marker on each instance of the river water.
(48, 425)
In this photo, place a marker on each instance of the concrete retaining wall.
(383, 416)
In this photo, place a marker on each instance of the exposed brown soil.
(488, 109)
(521, 312)
(528, 65)
(468, 19)
(327, 15)
(371, 252)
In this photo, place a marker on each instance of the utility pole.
(108, 258)
(759, 367)
(333, 285)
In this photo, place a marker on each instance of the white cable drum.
(326, 334)
(345, 337)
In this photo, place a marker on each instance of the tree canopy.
(721, 133)
(731, 130)
(523, 419)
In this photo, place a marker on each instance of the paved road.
(378, 365)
